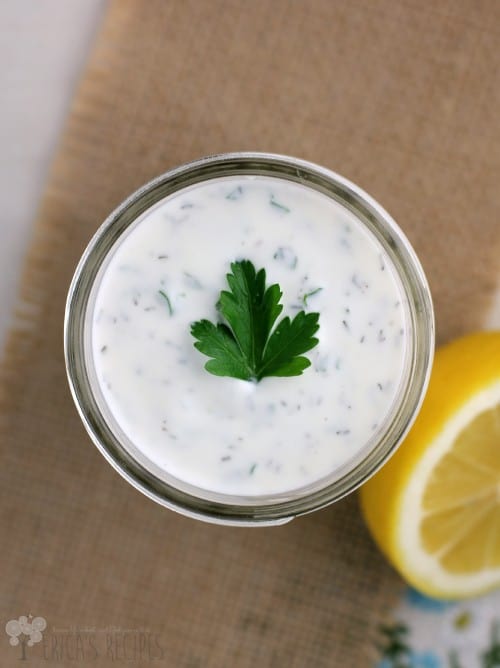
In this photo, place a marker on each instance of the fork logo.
(25, 631)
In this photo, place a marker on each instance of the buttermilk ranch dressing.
(222, 434)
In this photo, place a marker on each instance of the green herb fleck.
(191, 281)
(252, 469)
(310, 294)
(245, 346)
(286, 255)
(169, 303)
(235, 194)
(282, 207)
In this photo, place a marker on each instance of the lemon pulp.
(461, 503)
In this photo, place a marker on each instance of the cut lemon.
(434, 508)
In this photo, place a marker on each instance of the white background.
(43, 49)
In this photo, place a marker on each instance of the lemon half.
(434, 508)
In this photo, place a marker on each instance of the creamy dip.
(222, 434)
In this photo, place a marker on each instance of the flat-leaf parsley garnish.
(245, 345)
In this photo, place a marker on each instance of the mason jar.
(273, 505)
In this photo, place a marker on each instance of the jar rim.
(225, 509)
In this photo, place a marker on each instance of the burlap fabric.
(401, 97)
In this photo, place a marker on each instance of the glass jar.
(183, 497)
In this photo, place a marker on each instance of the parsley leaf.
(246, 347)
(290, 339)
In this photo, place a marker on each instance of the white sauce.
(222, 434)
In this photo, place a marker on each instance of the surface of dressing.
(222, 434)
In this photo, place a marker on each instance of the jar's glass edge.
(267, 514)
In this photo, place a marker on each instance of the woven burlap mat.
(401, 97)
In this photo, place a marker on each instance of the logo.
(82, 644)
(25, 631)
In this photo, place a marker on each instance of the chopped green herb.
(282, 207)
(166, 298)
(310, 294)
(191, 281)
(235, 194)
(359, 284)
(252, 469)
(247, 347)
(286, 255)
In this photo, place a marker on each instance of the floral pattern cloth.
(428, 633)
